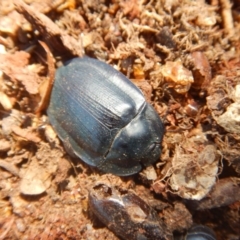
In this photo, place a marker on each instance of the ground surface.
(184, 56)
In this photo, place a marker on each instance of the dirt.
(183, 55)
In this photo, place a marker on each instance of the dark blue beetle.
(103, 118)
(200, 232)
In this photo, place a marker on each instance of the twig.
(227, 17)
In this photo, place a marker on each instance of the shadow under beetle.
(103, 118)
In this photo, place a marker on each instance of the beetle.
(200, 232)
(103, 118)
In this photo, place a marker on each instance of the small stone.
(230, 120)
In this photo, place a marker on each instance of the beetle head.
(135, 145)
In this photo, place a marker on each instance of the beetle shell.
(200, 232)
(103, 118)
